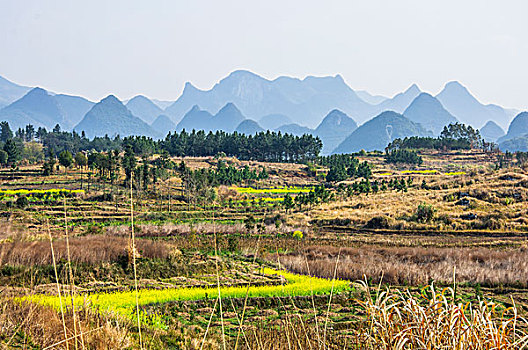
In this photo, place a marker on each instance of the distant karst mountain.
(162, 104)
(227, 119)
(294, 129)
(303, 101)
(287, 104)
(400, 101)
(369, 98)
(37, 107)
(144, 108)
(516, 144)
(110, 117)
(428, 111)
(517, 128)
(333, 129)
(273, 121)
(10, 92)
(248, 127)
(74, 109)
(377, 133)
(459, 102)
(163, 124)
(491, 132)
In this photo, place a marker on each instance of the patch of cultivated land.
(456, 233)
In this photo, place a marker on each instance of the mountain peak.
(230, 106)
(428, 111)
(195, 108)
(110, 116)
(189, 87)
(110, 99)
(413, 89)
(37, 90)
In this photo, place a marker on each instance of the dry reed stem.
(134, 263)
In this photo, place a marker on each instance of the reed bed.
(415, 265)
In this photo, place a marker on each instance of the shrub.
(22, 202)
(424, 213)
(378, 222)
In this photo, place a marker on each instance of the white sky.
(97, 47)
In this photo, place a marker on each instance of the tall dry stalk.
(72, 282)
(218, 280)
(58, 284)
(134, 262)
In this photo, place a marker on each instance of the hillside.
(110, 117)
(162, 125)
(37, 107)
(460, 103)
(333, 129)
(377, 133)
(10, 92)
(428, 111)
(491, 132)
(74, 109)
(144, 108)
(517, 128)
(248, 127)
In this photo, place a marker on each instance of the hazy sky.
(96, 47)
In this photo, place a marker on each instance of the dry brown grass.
(399, 320)
(415, 266)
(24, 325)
(88, 249)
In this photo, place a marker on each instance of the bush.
(378, 222)
(424, 213)
(22, 202)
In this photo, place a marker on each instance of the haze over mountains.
(245, 102)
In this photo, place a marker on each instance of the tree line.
(455, 136)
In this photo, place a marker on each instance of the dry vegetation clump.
(170, 230)
(292, 333)
(414, 266)
(88, 249)
(25, 325)
(399, 320)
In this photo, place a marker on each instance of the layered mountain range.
(344, 119)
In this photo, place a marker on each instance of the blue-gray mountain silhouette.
(428, 111)
(163, 124)
(400, 101)
(248, 127)
(142, 107)
(110, 117)
(74, 109)
(10, 92)
(227, 119)
(273, 121)
(37, 107)
(303, 101)
(459, 102)
(517, 128)
(369, 98)
(333, 129)
(491, 132)
(294, 129)
(377, 133)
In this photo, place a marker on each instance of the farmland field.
(277, 258)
